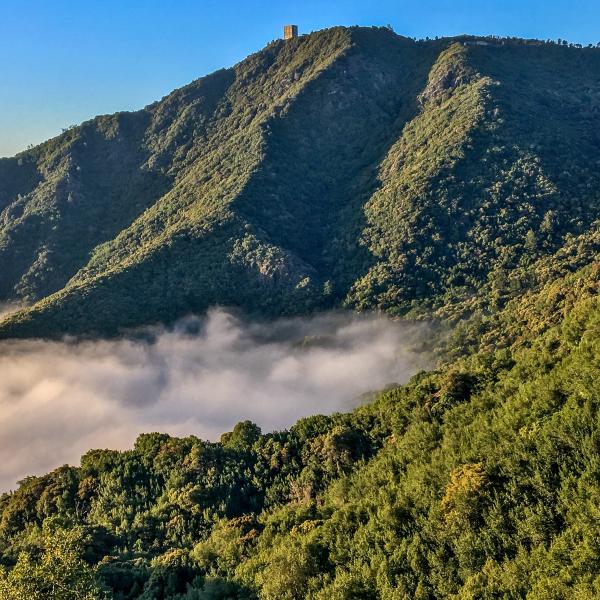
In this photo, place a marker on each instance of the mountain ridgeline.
(350, 167)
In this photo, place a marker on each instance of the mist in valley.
(200, 377)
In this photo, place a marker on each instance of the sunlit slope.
(496, 171)
(348, 167)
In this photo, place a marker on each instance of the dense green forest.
(454, 181)
(478, 480)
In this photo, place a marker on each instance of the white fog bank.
(59, 399)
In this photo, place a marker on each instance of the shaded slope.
(323, 150)
(93, 184)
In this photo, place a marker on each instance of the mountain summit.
(347, 167)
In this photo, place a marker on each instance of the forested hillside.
(479, 480)
(454, 181)
(350, 167)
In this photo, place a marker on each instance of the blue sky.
(64, 61)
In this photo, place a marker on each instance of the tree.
(530, 241)
(57, 573)
(244, 434)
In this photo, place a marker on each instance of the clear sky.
(64, 61)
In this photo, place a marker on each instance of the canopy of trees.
(478, 480)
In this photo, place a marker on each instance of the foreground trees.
(479, 480)
(53, 570)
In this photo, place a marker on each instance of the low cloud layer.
(59, 399)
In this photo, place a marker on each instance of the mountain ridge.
(348, 167)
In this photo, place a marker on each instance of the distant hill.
(350, 167)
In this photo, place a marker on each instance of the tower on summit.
(290, 31)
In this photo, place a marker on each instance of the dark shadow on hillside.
(324, 148)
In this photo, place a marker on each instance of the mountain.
(454, 180)
(350, 167)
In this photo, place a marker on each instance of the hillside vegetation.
(449, 180)
(479, 480)
(351, 167)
